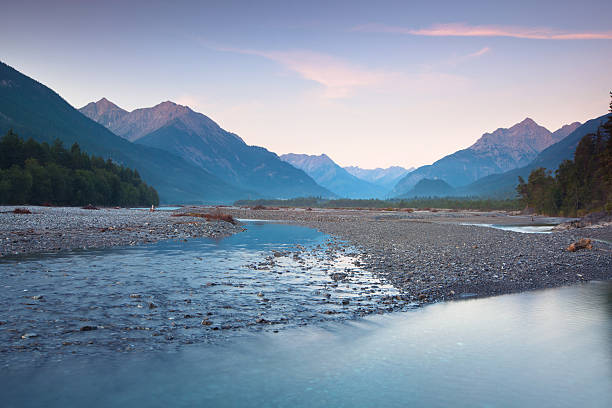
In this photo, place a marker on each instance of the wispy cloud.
(338, 77)
(465, 30)
(480, 52)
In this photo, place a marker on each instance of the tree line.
(42, 174)
(578, 186)
(457, 203)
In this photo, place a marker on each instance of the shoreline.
(54, 229)
(427, 256)
(435, 256)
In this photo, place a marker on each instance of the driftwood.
(584, 243)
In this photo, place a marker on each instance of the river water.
(543, 348)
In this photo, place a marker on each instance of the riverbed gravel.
(432, 256)
(52, 229)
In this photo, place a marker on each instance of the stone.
(88, 328)
(338, 276)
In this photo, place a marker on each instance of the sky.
(372, 84)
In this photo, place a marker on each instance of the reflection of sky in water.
(158, 208)
(528, 229)
(542, 348)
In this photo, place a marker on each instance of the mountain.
(386, 178)
(496, 152)
(33, 110)
(333, 177)
(104, 112)
(430, 188)
(504, 184)
(199, 140)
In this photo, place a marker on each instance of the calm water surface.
(527, 229)
(545, 348)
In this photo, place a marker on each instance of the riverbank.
(433, 256)
(52, 229)
(427, 255)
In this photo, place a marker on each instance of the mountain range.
(493, 153)
(33, 110)
(333, 177)
(387, 177)
(189, 158)
(504, 184)
(430, 188)
(200, 141)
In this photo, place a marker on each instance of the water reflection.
(527, 229)
(544, 348)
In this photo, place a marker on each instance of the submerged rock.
(338, 276)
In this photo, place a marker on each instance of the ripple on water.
(172, 293)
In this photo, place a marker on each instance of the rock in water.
(583, 243)
(338, 276)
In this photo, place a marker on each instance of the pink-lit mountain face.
(497, 152)
(199, 140)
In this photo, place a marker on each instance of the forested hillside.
(579, 186)
(39, 173)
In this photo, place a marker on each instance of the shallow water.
(157, 208)
(549, 348)
(172, 293)
(543, 348)
(527, 229)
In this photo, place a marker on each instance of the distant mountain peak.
(169, 105)
(564, 131)
(527, 121)
(526, 135)
(502, 150)
(140, 122)
(384, 177)
(103, 111)
(333, 177)
(196, 138)
(104, 104)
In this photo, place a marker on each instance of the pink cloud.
(464, 30)
(480, 52)
(338, 77)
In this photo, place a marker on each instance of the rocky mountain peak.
(564, 131)
(526, 135)
(104, 112)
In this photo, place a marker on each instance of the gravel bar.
(434, 256)
(51, 229)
